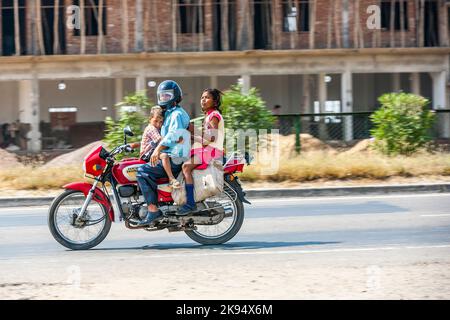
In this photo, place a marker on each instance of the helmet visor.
(165, 96)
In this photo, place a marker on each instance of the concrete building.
(303, 55)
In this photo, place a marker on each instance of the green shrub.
(402, 124)
(137, 120)
(244, 111)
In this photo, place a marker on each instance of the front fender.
(99, 195)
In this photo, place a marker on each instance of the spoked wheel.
(230, 222)
(72, 233)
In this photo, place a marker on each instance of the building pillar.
(140, 83)
(118, 95)
(214, 82)
(347, 103)
(29, 112)
(246, 83)
(345, 24)
(396, 82)
(306, 99)
(139, 25)
(442, 22)
(440, 102)
(322, 88)
(415, 83)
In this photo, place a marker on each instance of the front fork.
(83, 212)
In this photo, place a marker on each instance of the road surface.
(368, 247)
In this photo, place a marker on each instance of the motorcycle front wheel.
(73, 234)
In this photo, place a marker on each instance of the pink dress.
(213, 150)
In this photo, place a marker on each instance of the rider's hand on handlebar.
(135, 145)
(128, 148)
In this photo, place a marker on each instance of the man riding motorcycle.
(176, 123)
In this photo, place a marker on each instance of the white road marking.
(299, 199)
(237, 252)
(20, 209)
(436, 215)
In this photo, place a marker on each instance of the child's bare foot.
(174, 183)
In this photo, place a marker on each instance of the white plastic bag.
(207, 183)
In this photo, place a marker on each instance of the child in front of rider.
(211, 144)
(150, 140)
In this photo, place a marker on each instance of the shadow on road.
(244, 245)
(325, 209)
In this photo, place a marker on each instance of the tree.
(136, 119)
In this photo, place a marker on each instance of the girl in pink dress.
(211, 144)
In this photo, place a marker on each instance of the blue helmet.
(169, 93)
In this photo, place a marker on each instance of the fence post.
(297, 134)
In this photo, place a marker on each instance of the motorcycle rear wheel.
(73, 200)
(236, 223)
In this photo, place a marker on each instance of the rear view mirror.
(127, 132)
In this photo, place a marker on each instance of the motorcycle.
(80, 218)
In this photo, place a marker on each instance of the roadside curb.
(26, 201)
(349, 191)
(283, 193)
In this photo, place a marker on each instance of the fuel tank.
(125, 171)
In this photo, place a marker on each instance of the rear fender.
(99, 195)
(233, 181)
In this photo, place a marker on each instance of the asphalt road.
(370, 247)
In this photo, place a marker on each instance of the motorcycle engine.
(134, 210)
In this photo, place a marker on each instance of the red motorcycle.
(80, 218)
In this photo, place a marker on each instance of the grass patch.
(31, 178)
(309, 166)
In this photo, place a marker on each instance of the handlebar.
(120, 149)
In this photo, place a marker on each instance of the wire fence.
(346, 127)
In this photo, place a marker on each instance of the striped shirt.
(150, 139)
